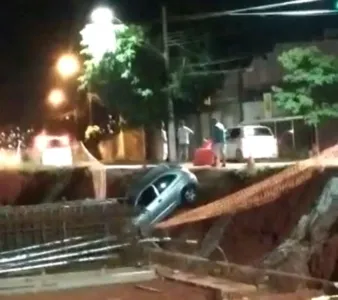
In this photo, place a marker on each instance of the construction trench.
(286, 244)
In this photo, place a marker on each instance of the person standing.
(183, 134)
(218, 142)
(164, 141)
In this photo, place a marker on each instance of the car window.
(163, 182)
(234, 133)
(258, 131)
(147, 197)
(54, 143)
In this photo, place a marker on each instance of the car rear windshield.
(257, 131)
(54, 143)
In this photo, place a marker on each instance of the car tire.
(239, 155)
(189, 194)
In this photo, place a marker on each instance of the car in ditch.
(159, 193)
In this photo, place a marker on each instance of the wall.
(126, 146)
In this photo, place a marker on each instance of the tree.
(119, 77)
(192, 81)
(131, 81)
(310, 84)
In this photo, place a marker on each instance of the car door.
(166, 201)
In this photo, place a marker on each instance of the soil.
(263, 228)
(299, 295)
(154, 290)
(150, 290)
(248, 238)
(26, 187)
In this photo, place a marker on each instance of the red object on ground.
(204, 155)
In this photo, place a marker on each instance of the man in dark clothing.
(218, 141)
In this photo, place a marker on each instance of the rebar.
(39, 246)
(27, 256)
(56, 264)
(68, 258)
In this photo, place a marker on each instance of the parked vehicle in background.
(54, 150)
(157, 194)
(253, 141)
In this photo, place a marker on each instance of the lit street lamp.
(99, 36)
(56, 97)
(68, 65)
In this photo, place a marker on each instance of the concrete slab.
(74, 280)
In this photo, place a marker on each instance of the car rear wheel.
(189, 194)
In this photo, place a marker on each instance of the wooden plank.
(245, 274)
(213, 237)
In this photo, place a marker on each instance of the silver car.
(159, 193)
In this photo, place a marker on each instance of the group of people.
(184, 133)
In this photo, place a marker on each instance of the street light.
(102, 15)
(56, 97)
(68, 65)
(99, 36)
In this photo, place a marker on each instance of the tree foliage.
(132, 81)
(310, 84)
(192, 82)
(128, 84)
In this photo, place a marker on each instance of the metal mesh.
(21, 226)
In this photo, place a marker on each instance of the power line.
(218, 62)
(291, 13)
(210, 15)
(216, 72)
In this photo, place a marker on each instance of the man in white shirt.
(183, 135)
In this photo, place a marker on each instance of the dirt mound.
(260, 229)
(252, 235)
(24, 187)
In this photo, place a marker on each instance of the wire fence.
(22, 226)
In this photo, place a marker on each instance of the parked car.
(251, 141)
(54, 150)
(157, 194)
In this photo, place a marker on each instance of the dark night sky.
(36, 32)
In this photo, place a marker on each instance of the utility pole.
(171, 117)
(240, 93)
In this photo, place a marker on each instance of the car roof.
(150, 176)
(248, 126)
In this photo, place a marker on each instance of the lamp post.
(99, 36)
(170, 104)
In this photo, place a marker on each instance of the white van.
(250, 141)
